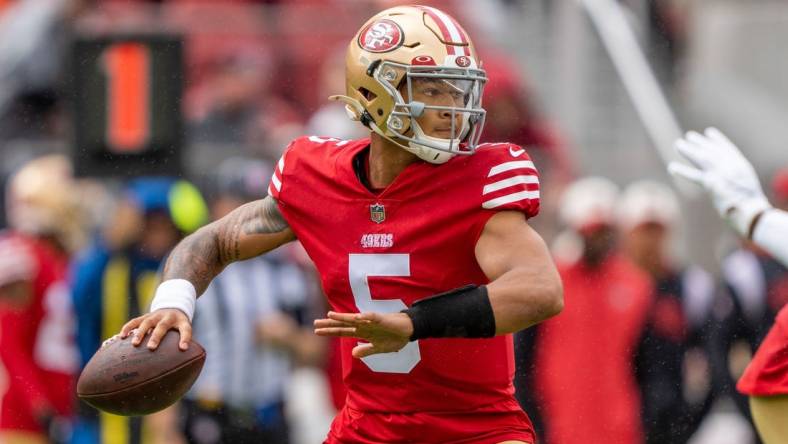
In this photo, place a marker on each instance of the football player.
(608, 301)
(672, 364)
(420, 236)
(37, 347)
(730, 180)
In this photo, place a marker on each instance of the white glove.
(726, 175)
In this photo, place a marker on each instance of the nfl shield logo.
(377, 212)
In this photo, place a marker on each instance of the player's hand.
(725, 173)
(384, 332)
(160, 321)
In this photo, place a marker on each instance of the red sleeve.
(767, 373)
(510, 180)
(275, 186)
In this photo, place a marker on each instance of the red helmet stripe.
(463, 37)
(445, 25)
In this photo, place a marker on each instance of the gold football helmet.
(43, 199)
(399, 47)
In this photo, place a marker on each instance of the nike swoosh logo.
(516, 153)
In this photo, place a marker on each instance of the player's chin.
(441, 134)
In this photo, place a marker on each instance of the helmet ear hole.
(369, 95)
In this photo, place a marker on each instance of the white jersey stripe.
(516, 180)
(277, 183)
(508, 166)
(281, 164)
(509, 198)
(270, 191)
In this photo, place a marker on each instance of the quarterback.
(730, 180)
(420, 236)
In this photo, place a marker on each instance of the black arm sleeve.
(464, 312)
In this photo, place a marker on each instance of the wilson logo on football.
(381, 36)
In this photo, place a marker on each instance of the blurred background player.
(756, 288)
(254, 322)
(731, 181)
(672, 364)
(584, 364)
(37, 347)
(116, 276)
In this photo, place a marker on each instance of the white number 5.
(362, 266)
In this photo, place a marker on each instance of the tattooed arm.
(248, 231)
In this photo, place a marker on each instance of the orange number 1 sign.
(127, 67)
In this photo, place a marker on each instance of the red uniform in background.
(584, 356)
(767, 373)
(36, 345)
(381, 252)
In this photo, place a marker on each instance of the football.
(132, 381)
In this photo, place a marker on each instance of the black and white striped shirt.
(240, 371)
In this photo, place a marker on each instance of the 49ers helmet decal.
(380, 36)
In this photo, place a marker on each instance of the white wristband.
(175, 293)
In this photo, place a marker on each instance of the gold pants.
(770, 414)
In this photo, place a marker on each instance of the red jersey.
(381, 252)
(584, 356)
(767, 373)
(37, 346)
